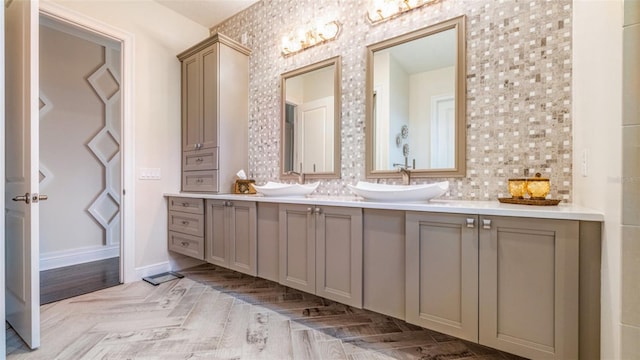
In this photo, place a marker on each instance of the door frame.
(72, 18)
(3, 333)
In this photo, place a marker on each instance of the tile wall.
(518, 85)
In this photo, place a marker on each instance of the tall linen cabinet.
(215, 114)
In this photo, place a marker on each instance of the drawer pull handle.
(184, 204)
(486, 224)
(471, 223)
(199, 160)
(185, 243)
(185, 222)
(199, 181)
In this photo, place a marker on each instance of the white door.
(316, 127)
(443, 132)
(22, 288)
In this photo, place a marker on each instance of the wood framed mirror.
(415, 96)
(310, 124)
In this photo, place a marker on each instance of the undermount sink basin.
(279, 189)
(401, 193)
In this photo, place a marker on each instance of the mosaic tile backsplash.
(518, 86)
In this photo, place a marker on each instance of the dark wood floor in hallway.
(69, 281)
(214, 313)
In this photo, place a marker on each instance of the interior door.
(316, 126)
(22, 288)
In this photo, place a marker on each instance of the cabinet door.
(209, 136)
(268, 248)
(297, 247)
(442, 273)
(242, 237)
(191, 102)
(384, 262)
(529, 286)
(339, 254)
(216, 249)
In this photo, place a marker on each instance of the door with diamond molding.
(80, 157)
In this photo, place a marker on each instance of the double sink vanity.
(521, 279)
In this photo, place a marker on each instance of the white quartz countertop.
(561, 211)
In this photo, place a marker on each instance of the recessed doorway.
(80, 160)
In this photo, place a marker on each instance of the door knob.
(26, 198)
(39, 197)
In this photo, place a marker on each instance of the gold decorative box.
(538, 187)
(244, 187)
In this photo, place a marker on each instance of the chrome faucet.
(299, 174)
(406, 175)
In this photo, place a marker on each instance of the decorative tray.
(540, 202)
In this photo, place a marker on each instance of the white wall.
(159, 34)
(597, 114)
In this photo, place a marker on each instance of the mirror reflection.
(415, 93)
(310, 121)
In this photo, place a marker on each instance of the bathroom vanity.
(525, 280)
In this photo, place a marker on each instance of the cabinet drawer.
(206, 181)
(187, 223)
(200, 160)
(189, 205)
(185, 244)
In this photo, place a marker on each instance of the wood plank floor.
(214, 313)
(63, 283)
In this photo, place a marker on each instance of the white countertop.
(561, 211)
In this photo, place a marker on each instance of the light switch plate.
(149, 174)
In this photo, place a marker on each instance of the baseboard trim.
(152, 269)
(57, 259)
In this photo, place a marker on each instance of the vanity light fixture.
(314, 35)
(383, 10)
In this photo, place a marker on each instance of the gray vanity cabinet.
(230, 236)
(321, 251)
(442, 273)
(215, 97)
(529, 271)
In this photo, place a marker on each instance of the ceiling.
(207, 13)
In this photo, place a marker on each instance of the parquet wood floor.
(214, 313)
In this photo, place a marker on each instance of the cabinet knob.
(185, 244)
(228, 203)
(318, 211)
(199, 160)
(199, 181)
(310, 210)
(486, 224)
(185, 222)
(471, 222)
(184, 204)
